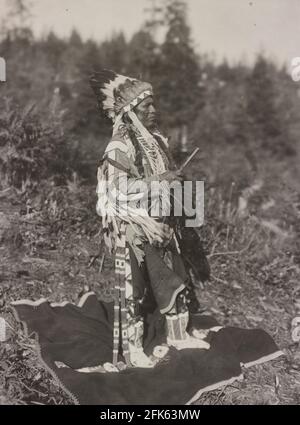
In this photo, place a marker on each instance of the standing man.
(150, 263)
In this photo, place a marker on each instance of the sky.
(235, 29)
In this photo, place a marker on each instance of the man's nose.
(152, 109)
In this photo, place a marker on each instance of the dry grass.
(46, 251)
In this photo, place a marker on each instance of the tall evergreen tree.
(115, 53)
(180, 94)
(262, 105)
(142, 56)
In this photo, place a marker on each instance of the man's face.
(146, 113)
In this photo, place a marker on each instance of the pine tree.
(115, 53)
(142, 56)
(262, 106)
(180, 94)
(16, 24)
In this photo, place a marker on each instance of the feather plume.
(114, 91)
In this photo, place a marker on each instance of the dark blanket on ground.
(72, 337)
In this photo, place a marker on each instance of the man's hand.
(171, 176)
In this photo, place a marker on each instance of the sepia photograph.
(149, 205)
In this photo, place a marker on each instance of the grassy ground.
(48, 242)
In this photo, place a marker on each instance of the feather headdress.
(117, 93)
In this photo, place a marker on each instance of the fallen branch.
(33, 390)
(224, 253)
(219, 280)
(232, 252)
(102, 262)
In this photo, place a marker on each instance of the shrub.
(30, 150)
